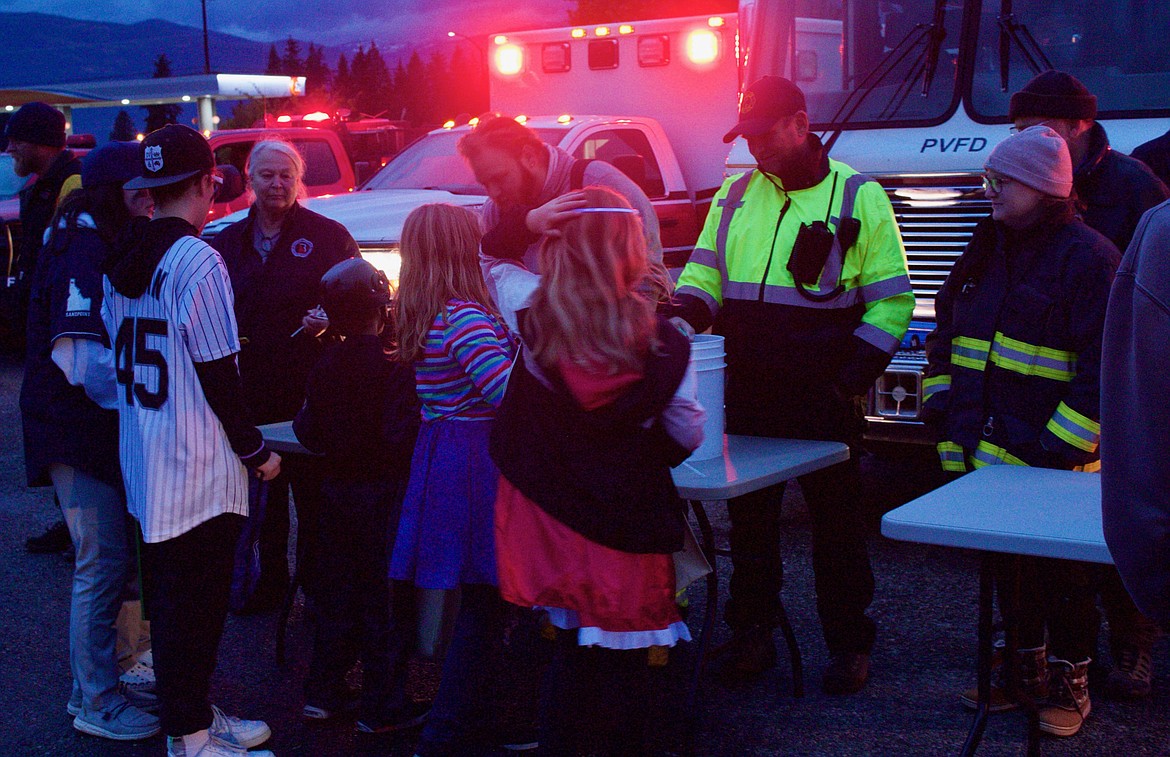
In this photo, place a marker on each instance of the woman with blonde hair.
(599, 407)
(462, 353)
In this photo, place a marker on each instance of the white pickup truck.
(431, 170)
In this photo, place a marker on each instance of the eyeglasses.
(995, 183)
(217, 185)
(1017, 129)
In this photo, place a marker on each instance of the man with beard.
(36, 142)
(527, 182)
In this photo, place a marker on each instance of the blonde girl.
(461, 353)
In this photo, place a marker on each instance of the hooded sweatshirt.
(130, 269)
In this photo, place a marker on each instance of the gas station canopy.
(204, 89)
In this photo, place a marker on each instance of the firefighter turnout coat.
(795, 359)
(1015, 360)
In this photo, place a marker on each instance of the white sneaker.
(183, 746)
(237, 732)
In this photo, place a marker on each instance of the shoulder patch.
(302, 248)
(77, 304)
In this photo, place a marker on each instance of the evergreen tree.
(341, 85)
(162, 67)
(291, 60)
(438, 106)
(274, 63)
(469, 87)
(247, 113)
(398, 92)
(378, 83)
(414, 90)
(123, 128)
(317, 73)
(158, 116)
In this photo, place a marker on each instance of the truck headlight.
(386, 259)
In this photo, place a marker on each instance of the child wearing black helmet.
(361, 413)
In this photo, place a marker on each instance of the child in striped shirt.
(462, 353)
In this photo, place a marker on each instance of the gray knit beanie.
(1037, 157)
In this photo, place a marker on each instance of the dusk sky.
(336, 22)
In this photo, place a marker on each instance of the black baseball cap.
(112, 163)
(765, 102)
(171, 154)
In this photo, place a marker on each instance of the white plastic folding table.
(1006, 509)
(748, 463)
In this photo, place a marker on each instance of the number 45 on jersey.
(130, 350)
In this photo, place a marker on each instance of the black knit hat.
(1054, 94)
(37, 123)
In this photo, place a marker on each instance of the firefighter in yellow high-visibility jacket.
(801, 268)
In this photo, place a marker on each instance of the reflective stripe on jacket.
(1014, 361)
(781, 345)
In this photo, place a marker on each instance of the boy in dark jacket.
(361, 413)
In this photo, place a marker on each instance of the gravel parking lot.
(925, 607)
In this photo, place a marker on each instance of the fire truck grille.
(935, 231)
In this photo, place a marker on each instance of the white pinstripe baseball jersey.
(179, 468)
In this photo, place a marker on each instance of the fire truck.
(922, 97)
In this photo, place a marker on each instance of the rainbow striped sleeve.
(481, 348)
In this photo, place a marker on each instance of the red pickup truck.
(328, 170)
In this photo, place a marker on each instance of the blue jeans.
(95, 514)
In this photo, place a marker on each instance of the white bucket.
(707, 356)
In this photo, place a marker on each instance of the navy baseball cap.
(171, 154)
(765, 102)
(112, 163)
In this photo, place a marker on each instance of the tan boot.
(1032, 665)
(1068, 704)
(1133, 661)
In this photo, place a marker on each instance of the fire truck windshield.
(1117, 48)
(860, 62)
